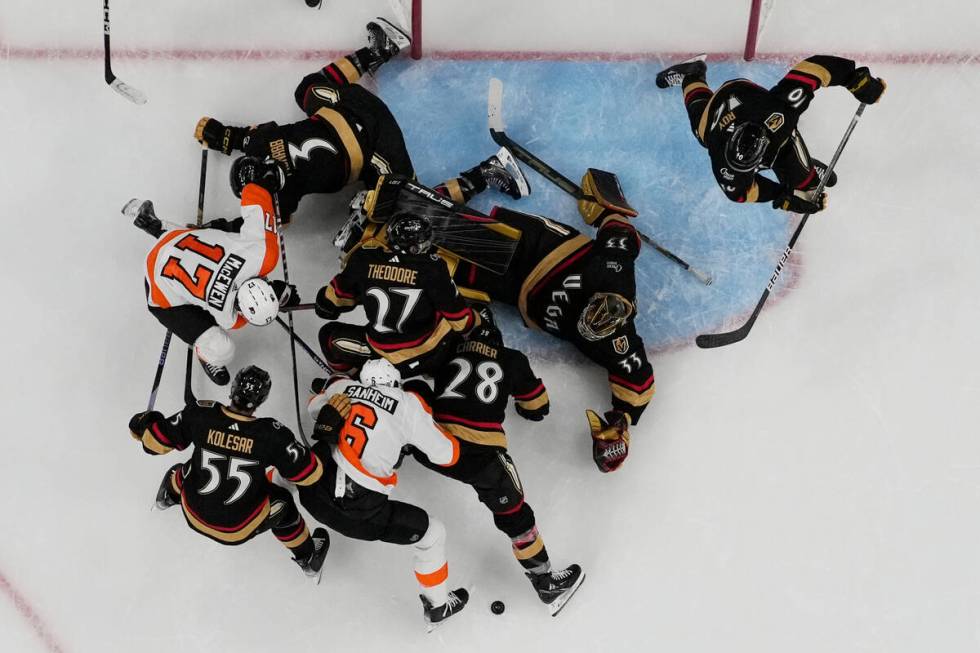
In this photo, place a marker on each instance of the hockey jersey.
(382, 420)
(205, 267)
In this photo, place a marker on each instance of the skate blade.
(556, 606)
(132, 208)
(510, 165)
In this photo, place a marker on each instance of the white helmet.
(257, 301)
(379, 371)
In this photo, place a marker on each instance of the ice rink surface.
(814, 488)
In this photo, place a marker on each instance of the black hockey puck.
(497, 607)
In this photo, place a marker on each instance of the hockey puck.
(497, 607)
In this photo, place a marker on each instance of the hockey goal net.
(758, 15)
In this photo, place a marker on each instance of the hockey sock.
(431, 568)
(348, 69)
(296, 538)
(175, 476)
(696, 98)
(530, 551)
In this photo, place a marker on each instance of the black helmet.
(487, 331)
(746, 146)
(250, 388)
(409, 233)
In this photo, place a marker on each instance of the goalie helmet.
(745, 147)
(378, 371)
(250, 388)
(409, 233)
(257, 301)
(605, 312)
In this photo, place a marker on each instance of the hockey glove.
(535, 415)
(287, 293)
(323, 307)
(331, 418)
(248, 170)
(603, 196)
(610, 439)
(799, 201)
(866, 88)
(216, 136)
(142, 421)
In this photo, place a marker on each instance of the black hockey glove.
(267, 173)
(534, 415)
(866, 88)
(799, 201)
(331, 418)
(287, 293)
(142, 421)
(216, 136)
(323, 307)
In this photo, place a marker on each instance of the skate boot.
(554, 588)
(502, 172)
(217, 373)
(674, 75)
(313, 4)
(313, 565)
(385, 40)
(821, 169)
(143, 216)
(163, 499)
(436, 614)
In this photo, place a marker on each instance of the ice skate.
(502, 172)
(385, 39)
(674, 75)
(555, 588)
(435, 615)
(313, 566)
(163, 499)
(217, 373)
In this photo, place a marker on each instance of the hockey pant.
(197, 327)
(364, 514)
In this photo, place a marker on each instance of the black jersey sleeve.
(630, 373)
(342, 294)
(296, 462)
(159, 434)
(798, 86)
(446, 298)
(530, 396)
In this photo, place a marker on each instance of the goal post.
(758, 14)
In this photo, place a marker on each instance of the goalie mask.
(605, 312)
(745, 147)
(409, 233)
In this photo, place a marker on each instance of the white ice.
(812, 489)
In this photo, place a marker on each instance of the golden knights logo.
(775, 121)
(621, 345)
(326, 93)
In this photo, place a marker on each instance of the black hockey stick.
(159, 372)
(292, 331)
(189, 397)
(119, 86)
(495, 119)
(710, 340)
(309, 350)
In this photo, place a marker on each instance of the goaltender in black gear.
(747, 128)
(223, 489)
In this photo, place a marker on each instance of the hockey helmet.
(605, 312)
(378, 371)
(249, 169)
(746, 146)
(257, 301)
(250, 388)
(409, 233)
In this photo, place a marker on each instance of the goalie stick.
(711, 340)
(495, 120)
(131, 93)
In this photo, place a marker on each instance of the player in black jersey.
(223, 488)
(349, 135)
(414, 310)
(747, 128)
(470, 398)
(582, 290)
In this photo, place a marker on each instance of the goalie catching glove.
(610, 439)
(331, 418)
(603, 196)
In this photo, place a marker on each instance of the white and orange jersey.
(382, 420)
(205, 267)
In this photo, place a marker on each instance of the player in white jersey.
(203, 282)
(361, 429)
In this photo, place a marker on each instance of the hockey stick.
(159, 373)
(119, 86)
(297, 307)
(710, 340)
(189, 397)
(292, 332)
(309, 350)
(495, 119)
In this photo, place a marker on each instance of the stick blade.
(495, 105)
(131, 93)
(713, 340)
